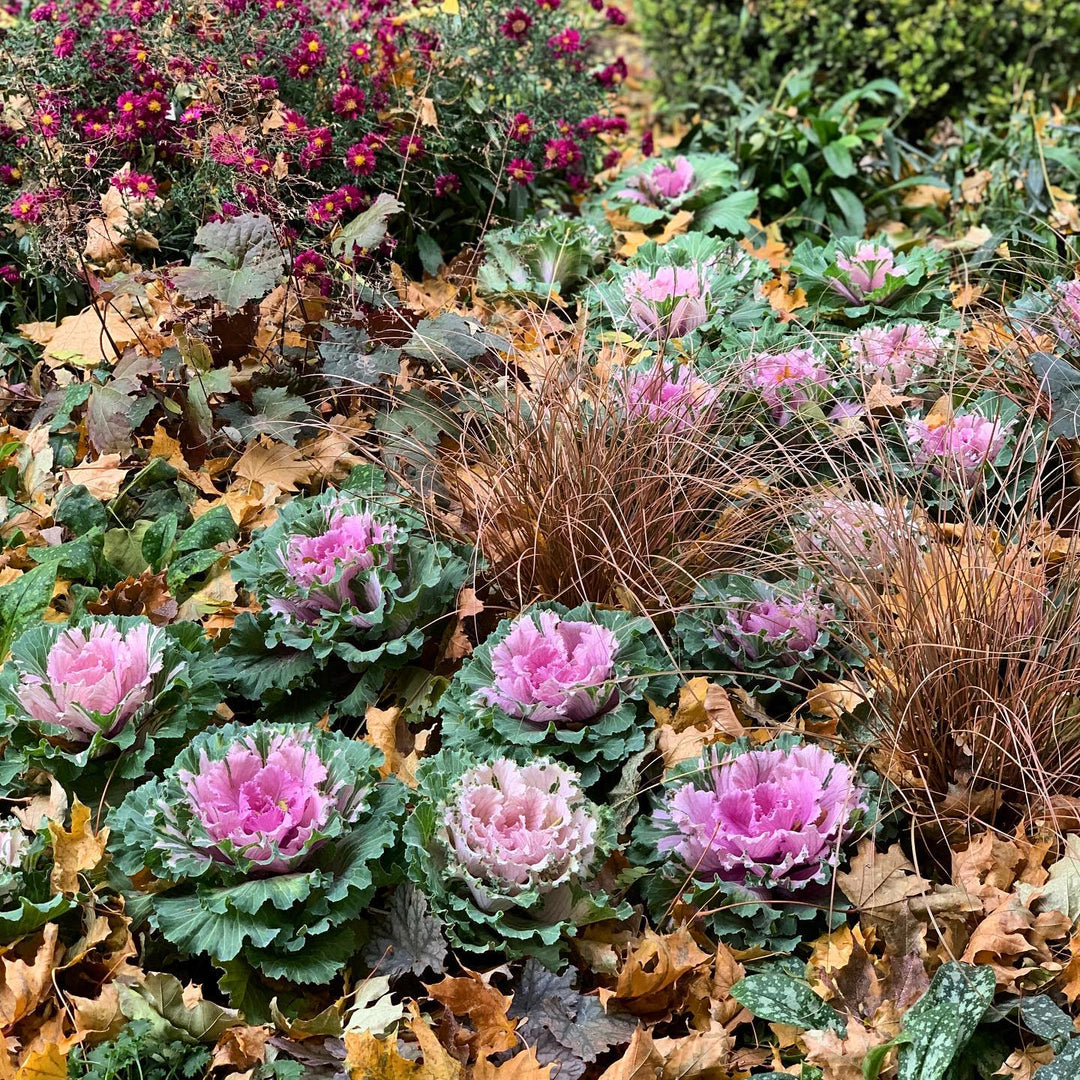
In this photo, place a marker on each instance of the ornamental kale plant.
(506, 853)
(746, 630)
(538, 259)
(270, 837)
(571, 684)
(341, 578)
(99, 701)
(705, 185)
(754, 832)
(853, 280)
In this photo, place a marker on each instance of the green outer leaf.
(29, 916)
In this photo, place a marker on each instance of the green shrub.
(947, 55)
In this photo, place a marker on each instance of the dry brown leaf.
(784, 300)
(1013, 941)
(774, 251)
(648, 982)
(438, 1064)
(641, 1061)
(80, 339)
(25, 986)
(485, 1008)
(388, 731)
(522, 1066)
(1023, 1064)
(146, 595)
(241, 1047)
(103, 478)
(47, 1064)
(920, 196)
(973, 187)
(841, 1059)
(76, 850)
(274, 465)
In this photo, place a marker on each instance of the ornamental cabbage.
(571, 684)
(271, 836)
(96, 700)
(754, 833)
(505, 852)
(346, 581)
(741, 626)
(960, 447)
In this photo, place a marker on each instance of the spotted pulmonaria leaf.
(781, 999)
(942, 1021)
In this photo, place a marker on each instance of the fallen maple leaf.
(102, 478)
(486, 1009)
(274, 465)
(76, 850)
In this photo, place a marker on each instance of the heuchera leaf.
(241, 261)
(942, 1021)
(408, 938)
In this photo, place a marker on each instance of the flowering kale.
(856, 538)
(537, 259)
(675, 400)
(570, 684)
(897, 356)
(669, 303)
(27, 900)
(744, 829)
(691, 285)
(851, 280)
(271, 835)
(960, 447)
(740, 624)
(787, 381)
(93, 701)
(340, 578)
(705, 184)
(504, 852)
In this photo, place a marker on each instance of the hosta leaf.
(781, 999)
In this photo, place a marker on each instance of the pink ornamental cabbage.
(13, 845)
(896, 356)
(662, 184)
(560, 671)
(266, 808)
(795, 622)
(326, 565)
(1066, 313)
(669, 303)
(856, 536)
(776, 817)
(95, 682)
(676, 399)
(867, 269)
(515, 829)
(786, 380)
(960, 447)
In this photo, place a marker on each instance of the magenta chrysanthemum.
(558, 671)
(515, 829)
(265, 807)
(668, 303)
(961, 446)
(776, 817)
(95, 682)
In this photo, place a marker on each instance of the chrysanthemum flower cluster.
(571, 684)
